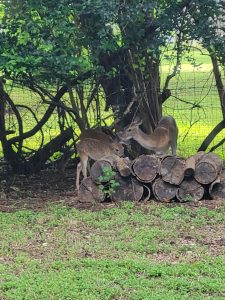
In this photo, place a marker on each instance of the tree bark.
(219, 83)
(10, 155)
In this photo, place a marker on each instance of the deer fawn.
(96, 145)
(164, 136)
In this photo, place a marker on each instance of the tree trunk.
(219, 83)
(13, 158)
(118, 89)
(147, 89)
(132, 91)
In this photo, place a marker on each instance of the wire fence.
(194, 103)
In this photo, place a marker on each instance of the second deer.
(96, 145)
(164, 136)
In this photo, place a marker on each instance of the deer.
(97, 134)
(96, 145)
(164, 136)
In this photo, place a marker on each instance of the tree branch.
(50, 109)
(36, 119)
(219, 82)
(17, 114)
(217, 145)
(219, 127)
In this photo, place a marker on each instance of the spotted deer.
(164, 136)
(96, 145)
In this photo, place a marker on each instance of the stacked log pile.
(164, 178)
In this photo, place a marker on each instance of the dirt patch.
(37, 191)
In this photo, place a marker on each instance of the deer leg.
(174, 146)
(82, 165)
(84, 161)
(79, 168)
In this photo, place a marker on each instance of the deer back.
(97, 149)
(95, 133)
(164, 135)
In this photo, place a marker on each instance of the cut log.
(97, 170)
(129, 189)
(190, 190)
(164, 191)
(146, 194)
(123, 166)
(190, 164)
(208, 168)
(89, 192)
(217, 188)
(146, 167)
(172, 169)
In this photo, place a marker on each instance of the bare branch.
(18, 117)
(50, 109)
(219, 127)
(194, 105)
(36, 119)
(217, 145)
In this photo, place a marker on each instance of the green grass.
(126, 252)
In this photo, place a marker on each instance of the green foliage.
(41, 39)
(2, 12)
(108, 183)
(58, 40)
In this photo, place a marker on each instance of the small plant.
(188, 198)
(108, 183)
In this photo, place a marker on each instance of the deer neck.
(145, 140)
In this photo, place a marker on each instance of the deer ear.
(137, 120)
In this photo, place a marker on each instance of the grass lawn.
(141, 252)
